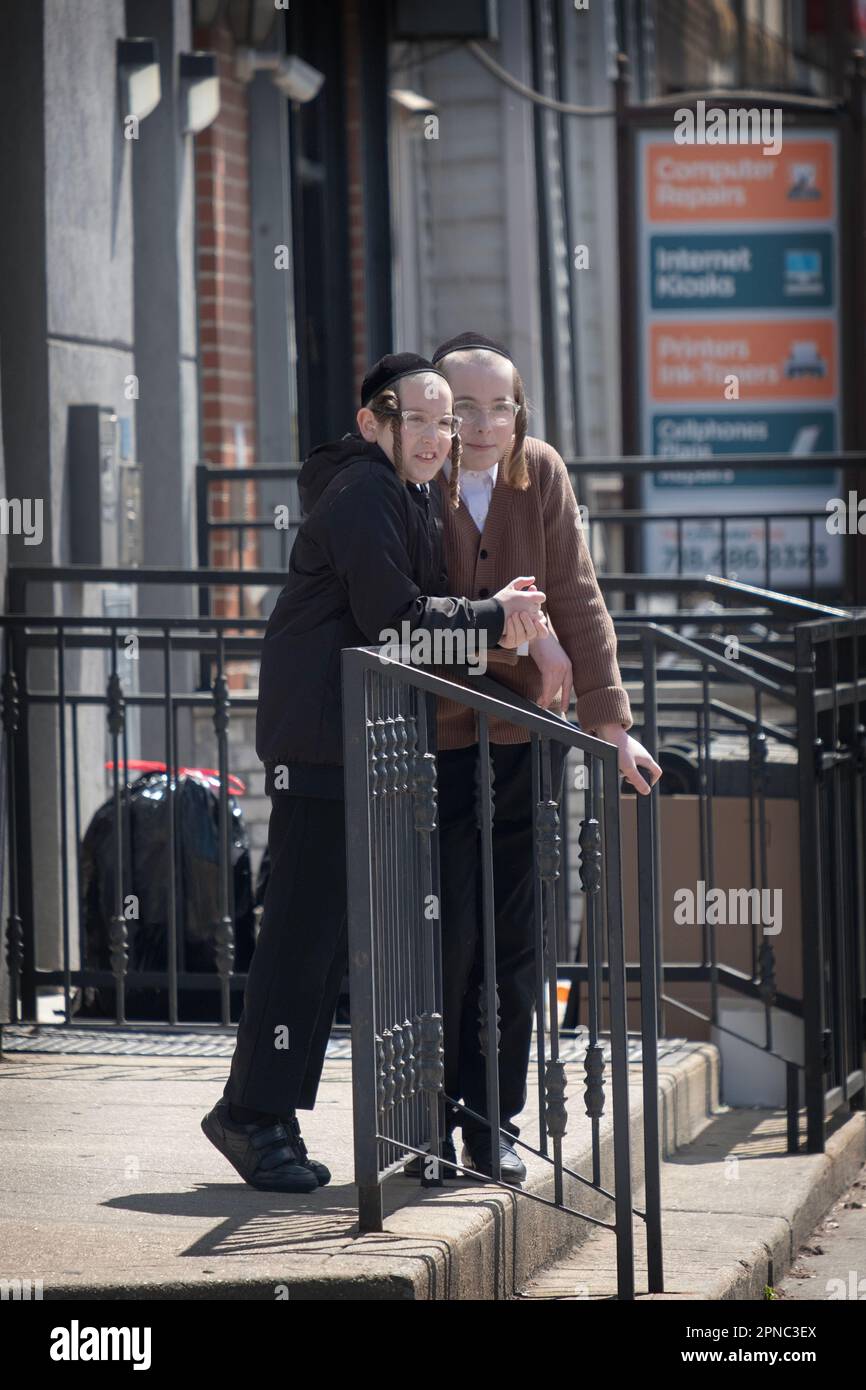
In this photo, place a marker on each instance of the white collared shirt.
(476, 490)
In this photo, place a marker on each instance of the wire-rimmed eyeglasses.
(416, 422)
(500, 414)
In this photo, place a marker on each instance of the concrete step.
(112, 1192)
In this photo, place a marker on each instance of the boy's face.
(478, 390)
(425, 445)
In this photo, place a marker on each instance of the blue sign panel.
(697, 434)
(752, 270)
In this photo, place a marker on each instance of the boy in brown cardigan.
(536, 531)
(517, 515)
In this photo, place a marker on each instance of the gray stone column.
(66, 328)
(166, 354)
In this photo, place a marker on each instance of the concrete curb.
(724, 1240)
(842, 1159)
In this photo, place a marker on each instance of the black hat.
(390, 369)
(464, 341)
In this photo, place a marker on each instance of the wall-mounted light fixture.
(293, 77)
(199, 90)
(412, 102)
(138, 76)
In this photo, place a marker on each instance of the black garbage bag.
(146, 878)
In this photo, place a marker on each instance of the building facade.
(218, 212)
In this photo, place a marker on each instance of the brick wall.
(225, 306)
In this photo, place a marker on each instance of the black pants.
(462, 940)
(300, 958)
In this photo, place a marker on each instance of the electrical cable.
(566, 108)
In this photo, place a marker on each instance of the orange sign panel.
(738, 183)
(788, 359)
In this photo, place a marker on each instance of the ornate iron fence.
(618, 536)
(806, 663)
(395, 946)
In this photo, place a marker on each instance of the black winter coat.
(367, 557)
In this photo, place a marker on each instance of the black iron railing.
(690, 542)
(786, 547)
(47, 824)
(806, 663)
(392, 868)
(395, 947)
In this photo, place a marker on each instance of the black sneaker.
(449, 1153)
(323, 1174)
(264, 1154)
(477, 1156)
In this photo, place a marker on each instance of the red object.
(236, 786)
(818, 16)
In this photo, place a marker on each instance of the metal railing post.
(647, 834)
(809, 765)
(489, 992)
(618, 1027)
(366, 1099)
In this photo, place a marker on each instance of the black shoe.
(449, 1153)
(477, 1155)
(264, 1154)
(323, 1174)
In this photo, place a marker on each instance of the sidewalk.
(738, 1213)
(110, 1190)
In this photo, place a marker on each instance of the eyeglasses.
(501, 414)
(416, 422)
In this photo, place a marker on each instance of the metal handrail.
(370, 953)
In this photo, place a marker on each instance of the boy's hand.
(522, 602)
(555, 667)
(632, 755)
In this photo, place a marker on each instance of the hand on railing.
(555, 667)
(632, 756)
(523, 617)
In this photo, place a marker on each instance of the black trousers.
(300, 958)
(462, 940)
(301, 952)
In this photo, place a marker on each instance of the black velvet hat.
(464, 341)
(390, 369)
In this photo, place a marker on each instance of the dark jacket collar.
(327, 460)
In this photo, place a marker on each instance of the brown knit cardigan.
(537, 531)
